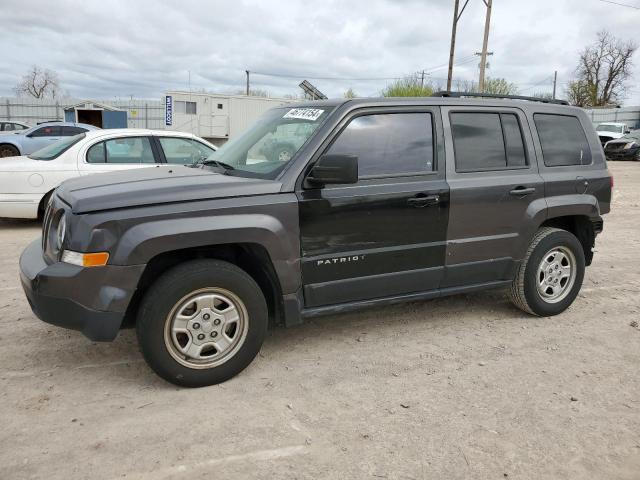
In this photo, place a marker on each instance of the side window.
(71, 131)
(6, 127)
(50, 131)
(122, 150)
(183, 151)
(562, 139)
(388, 144)
(96, 153)
(188, 108)
(487, 141)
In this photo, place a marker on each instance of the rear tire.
(190, 340)
(551, 273)
(8, 151)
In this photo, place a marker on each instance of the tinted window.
(6, 126)
(183, 150)
(69, 131)
(51, 131)
(388, 144)
(563, 140)
(513, 142)
(487, 141)
(122, 150)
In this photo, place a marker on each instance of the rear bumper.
(90, 300)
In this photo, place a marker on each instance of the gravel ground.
(461, 387)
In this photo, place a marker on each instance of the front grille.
(604, 140)
(613, 146)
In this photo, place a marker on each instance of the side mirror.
(334, 169)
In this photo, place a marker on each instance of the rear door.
(383, 236)
(494, 180)
(41, 138)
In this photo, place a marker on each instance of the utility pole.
(555, 81)
(452, 50)
(247, 72)
(485, 42)
(422, 80)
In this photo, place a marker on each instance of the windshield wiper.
(215, 163)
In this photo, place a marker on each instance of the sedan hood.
(611, 134)
(156, 185)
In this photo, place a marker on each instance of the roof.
(91, 105)
(137, 131)
(435, 101)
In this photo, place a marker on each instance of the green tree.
(496, 86)
(407, 87)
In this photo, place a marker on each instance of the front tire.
(551, 273)
(8, 151)
(202, 323)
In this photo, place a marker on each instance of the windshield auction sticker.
(304, 113)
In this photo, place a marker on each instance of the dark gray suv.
(384, 200)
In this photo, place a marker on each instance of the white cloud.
(143, 47)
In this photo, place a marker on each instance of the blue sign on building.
(168, 110)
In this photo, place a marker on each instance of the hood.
(611, 134)
(156, 185)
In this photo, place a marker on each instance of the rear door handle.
(522, 191)
(424, 201)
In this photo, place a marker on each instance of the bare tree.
(38, 83)
(350, 93)
(603, 70)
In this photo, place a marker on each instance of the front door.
(494, 181)
(385, 235)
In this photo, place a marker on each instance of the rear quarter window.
(562, 139)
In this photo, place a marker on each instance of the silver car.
(28, 141)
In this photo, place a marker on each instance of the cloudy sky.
(115, 49)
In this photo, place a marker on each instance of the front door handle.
(424, 201)
(522, 191)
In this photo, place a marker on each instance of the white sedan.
(26, 182)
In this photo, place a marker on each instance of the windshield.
(268, 146)
(610, 128)
(56, 149)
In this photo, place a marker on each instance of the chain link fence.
(140, 113)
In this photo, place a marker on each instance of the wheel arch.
(253, 258)
(579, 225)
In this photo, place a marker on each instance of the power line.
(620, 4)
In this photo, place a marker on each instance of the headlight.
(61, 232)
(629, 145)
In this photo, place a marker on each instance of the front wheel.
(202, 323)
(551, 273)
(8, 151)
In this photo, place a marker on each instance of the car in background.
(13, 127)
(624, 148)
(611, 130)
(26, 182)
(28, 141)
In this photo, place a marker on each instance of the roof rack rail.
(445, 93)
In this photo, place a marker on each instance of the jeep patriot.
(383, 200)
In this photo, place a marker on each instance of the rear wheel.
(202, 323)
(8, 151)
(550, 276)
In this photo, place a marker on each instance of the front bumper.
(622, 154)
(91, 300)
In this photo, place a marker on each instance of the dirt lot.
(462, 387)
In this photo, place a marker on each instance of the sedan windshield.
(56, 149)
(609, 128)
(265, 149)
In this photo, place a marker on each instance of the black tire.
(43, 205)
(8, 151)
(524, 289)
(163, 297)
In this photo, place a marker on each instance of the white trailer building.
(214, 117)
